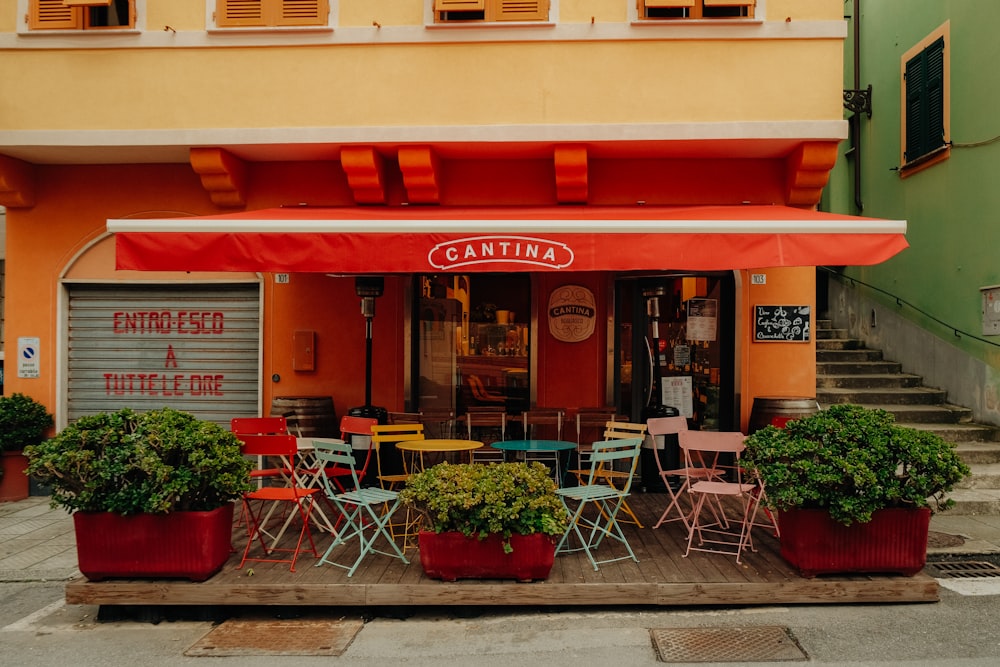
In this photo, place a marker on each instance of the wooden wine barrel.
(767, 409)
(308, 416)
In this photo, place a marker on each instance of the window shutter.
(669, 3)
(729, 3)
(54, 15)
(459, 5)
(87, 3)
(522, 10)
(235, 13)
(925, 101)
(303, 12)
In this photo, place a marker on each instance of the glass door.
(694, 343)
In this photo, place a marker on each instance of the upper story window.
(926, 100)
(696, 9)
(271, 13)
(451, 11)
(81, 14)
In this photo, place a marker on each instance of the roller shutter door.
(193, 347)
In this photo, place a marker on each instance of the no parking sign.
(27, 357)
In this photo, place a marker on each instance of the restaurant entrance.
(696, 346)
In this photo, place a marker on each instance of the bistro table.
(417, 448)
(554, 447)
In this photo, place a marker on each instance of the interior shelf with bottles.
(498, 340)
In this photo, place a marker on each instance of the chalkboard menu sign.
(781, 323)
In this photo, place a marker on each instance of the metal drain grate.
(273, 638)
(760, 644)
(965, 569)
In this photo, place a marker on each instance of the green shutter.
(925, 101)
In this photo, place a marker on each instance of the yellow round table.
(418, 448)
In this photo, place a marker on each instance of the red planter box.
(188, 545)
(14, 483)
(452, 556)
(895, 541)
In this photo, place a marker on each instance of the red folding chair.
(299, 498)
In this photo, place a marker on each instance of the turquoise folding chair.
(606, 499)
(361, 508)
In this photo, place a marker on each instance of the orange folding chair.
(299, 498)
(241, 426)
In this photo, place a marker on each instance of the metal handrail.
(903, 302)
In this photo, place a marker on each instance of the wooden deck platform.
(662, 577)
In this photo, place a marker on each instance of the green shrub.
(853, 461)
(23, 422)
(478, 499)
(129, 463)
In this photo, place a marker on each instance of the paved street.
(37, 628)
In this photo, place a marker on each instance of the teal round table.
(552, 447)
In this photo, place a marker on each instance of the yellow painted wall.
(805, 10)
(178, 14)
(603, 11)
(385, 12)
(407, 85)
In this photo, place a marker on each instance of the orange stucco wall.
(74, 202)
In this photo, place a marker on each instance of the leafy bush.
(129, 463)
(478, 499)
(23, 422)
(852, 461)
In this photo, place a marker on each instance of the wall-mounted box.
(991, 310)
(304, 351)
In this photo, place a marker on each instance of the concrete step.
(961, 433)
(827, 334)
(838, 344)
(975, 501)
(981, 453)
(842, 355)
(984, 476)
(837, 367)
(924, 414)
(868, 381)
(867, 397)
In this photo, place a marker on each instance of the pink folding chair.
(717, 533)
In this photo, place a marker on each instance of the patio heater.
(370, 288)
(664, 446)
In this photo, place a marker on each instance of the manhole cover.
(245, 638)
(760, 644)
(936, 540)
(964, 569)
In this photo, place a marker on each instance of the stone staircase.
(847, 372)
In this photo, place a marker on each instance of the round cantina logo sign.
(572, 313)
(503, 249)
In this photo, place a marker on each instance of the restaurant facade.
(473, 205)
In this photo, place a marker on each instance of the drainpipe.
(857, 101)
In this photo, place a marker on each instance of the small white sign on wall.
(27, 357)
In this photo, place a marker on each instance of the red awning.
(411, 239)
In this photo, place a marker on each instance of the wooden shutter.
(520, 10)
(87, 3)
(302, 12)
(248, 13)
(235, 13)
(925, 101)
(459, 5)
(54, 15)
(669, 3)
(729, 3)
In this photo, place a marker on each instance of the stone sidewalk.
(37, 542)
